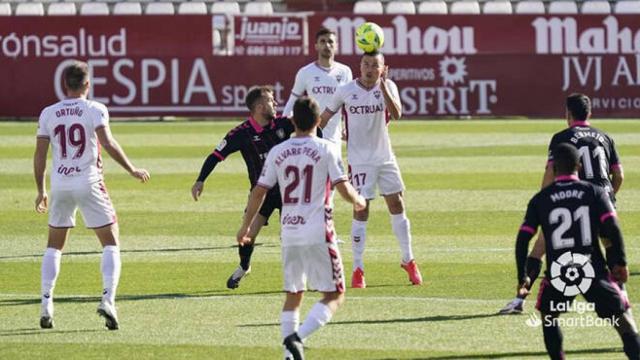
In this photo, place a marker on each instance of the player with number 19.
(76, 129)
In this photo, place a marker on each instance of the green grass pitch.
(467, 187)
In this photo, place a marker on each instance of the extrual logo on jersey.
(572, 274)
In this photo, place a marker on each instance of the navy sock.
(245, 256)
(631, 345)
(553, 341)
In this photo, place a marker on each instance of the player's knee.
(395, 203)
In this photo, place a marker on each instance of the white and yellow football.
(369, 37)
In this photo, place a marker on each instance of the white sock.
(402, 228)
(49, 274)
(289, 323)
(110, 267)
(358, 238)
(318, 316)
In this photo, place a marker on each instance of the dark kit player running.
(253, 138)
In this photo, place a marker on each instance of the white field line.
(278, 297)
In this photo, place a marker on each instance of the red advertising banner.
(444, 65)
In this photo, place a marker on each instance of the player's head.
(306, 114)
(76, 78)
(325, 43)
(372, 66)
(578, 107)
(566, 159)
(260, 102)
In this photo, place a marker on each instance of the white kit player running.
(76, 128)
(319, 80)
(369, 102)
(305, 168)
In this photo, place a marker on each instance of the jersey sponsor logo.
(366, 109)
(69, 171)
(323, 90)
(572, 274)
(293, 220)
(222, 145)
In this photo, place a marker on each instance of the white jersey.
(320, 84)
(304, 168)
(70, 125)
(366, 122)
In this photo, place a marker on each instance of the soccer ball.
(369, 37)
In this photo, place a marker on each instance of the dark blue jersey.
(597, 150)
(254, 142)
(572, 215)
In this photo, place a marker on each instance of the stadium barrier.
(201, 65)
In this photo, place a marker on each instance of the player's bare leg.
(516, 306)
(245, 253)
(110, 267)
(358, 240)
(402, 229)
(49, 273)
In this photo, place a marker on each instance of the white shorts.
(93, 201)
(319, 264)
(365, 179)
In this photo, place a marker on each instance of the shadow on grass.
(135, 251)
(38, 331)
(393, 321)
(515, 355)
(169, 296)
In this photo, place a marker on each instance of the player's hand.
(523, 288)
(141, 174)
(196, 190)
(384, 74)
(620, 273)
(243, 236)
(360, 203)
(42, 202)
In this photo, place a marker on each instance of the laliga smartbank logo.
(572, 274)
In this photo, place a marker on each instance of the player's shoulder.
(50, 109)
(94, 106)
(342, 67)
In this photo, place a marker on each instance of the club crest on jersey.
(338, 78)
(280, 133)
(377, 94)
(316, 78)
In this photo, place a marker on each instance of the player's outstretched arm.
(207, 167)
(115, 151)
(255, 202)
(350, 194)
(39, 169)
